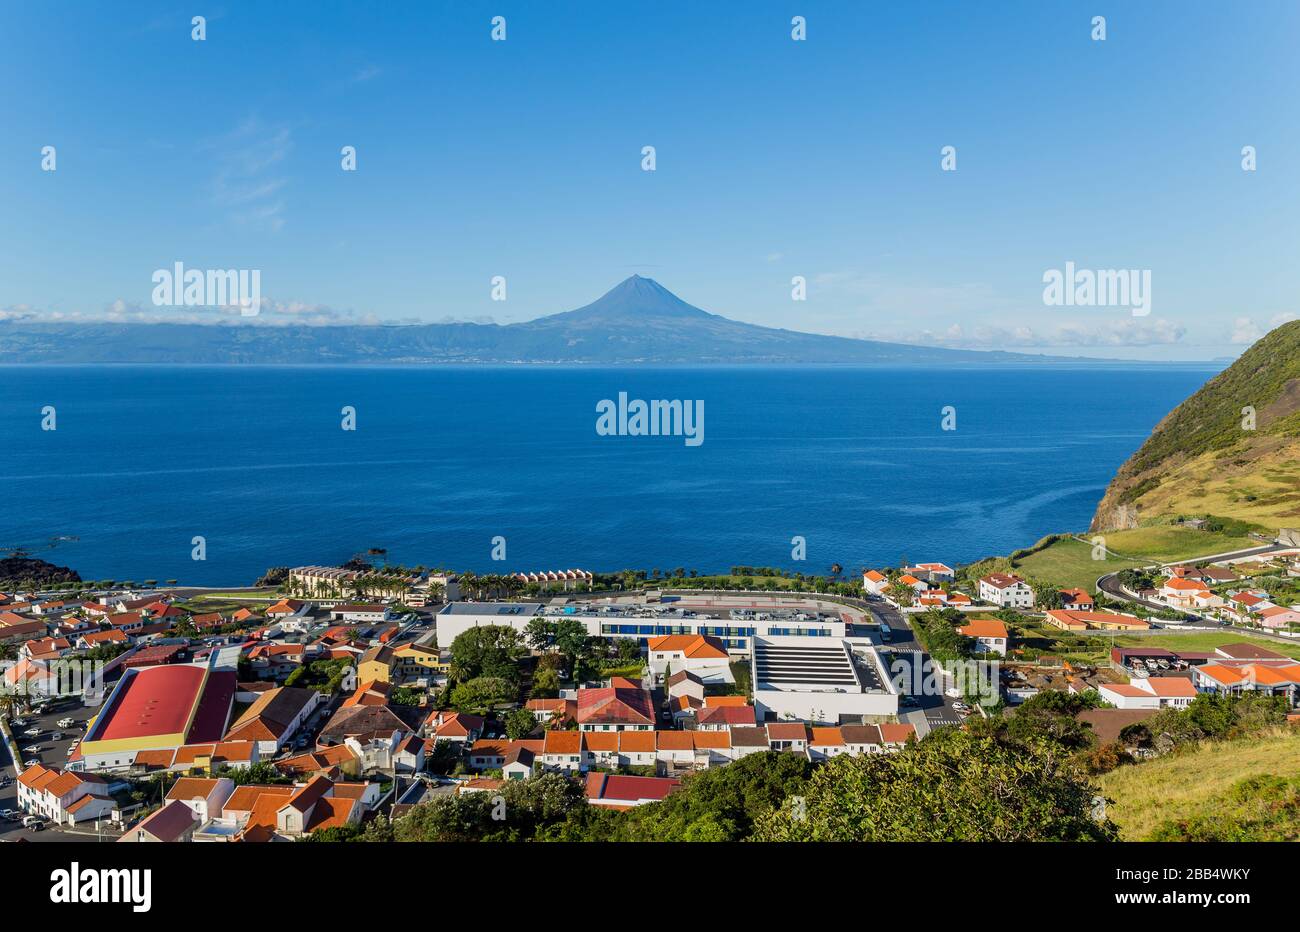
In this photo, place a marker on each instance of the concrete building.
(819, 680)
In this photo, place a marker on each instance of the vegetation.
(1243, 789)
(953, 786)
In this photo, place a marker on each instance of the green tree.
(520, 724)
(546, 684)
(487, 650)
(953, 786)
(482, 693)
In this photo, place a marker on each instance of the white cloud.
(247, 182)
(1113, 333)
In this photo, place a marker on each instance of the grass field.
(1205, 641)
(1069, 562)
(1194, 782)
(266, 595)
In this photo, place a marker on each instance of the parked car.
(31, 749)
(10, 815)
(35, 823)
(32, 732)
(56, 736)
(66, 723)
(31, 763)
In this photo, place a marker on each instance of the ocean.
(443, 460)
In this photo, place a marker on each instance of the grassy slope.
(1193, 783)
(1199, 459)
(1069, 562)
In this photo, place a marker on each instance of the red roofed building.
(615, 709)
(623, 792)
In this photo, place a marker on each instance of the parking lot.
(48, 751)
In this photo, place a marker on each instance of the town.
(341, 696)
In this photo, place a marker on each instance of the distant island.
(638, 322)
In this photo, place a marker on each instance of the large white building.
(819, 680)
(734, 627)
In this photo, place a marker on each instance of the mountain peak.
(635, 297)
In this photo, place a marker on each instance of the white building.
(62, 796)
(1007, 590)
(819, 680)
(1156, 692)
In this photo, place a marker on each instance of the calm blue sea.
(444, 459)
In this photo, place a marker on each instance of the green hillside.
(1201, 459)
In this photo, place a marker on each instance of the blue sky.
(775, 158)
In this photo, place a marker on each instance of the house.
(1076, 600)
(274, 717)
(675, 749)
(445, 725)
(1006, 590)
(1094, 621)
(376, 664)
(637, 748)
(546, 709)
(562, 750)
(725, 718)
(335, 762)
(1183, 592)
(518, 763)
(615, 708)
(614, 791)
(746, 741)
(685, 683)
(1155, 692)
(421, 662)
(1267, 678)
(361, 614)
(932, 572)
(63, 796)
(370, 692)
(488, 753)
(203, 796)
(701, 654)
(826, 743)
(1279, 617)
(875, 582)
(366, 723)
(93, 639)
(270, 813)
(173, 822)
(788, 736)
(989, 634)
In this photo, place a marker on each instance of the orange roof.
(827, 737)
(908, 579)
(191, 788)
(563, 742)
(893, 733)
(636, 742)
(674, 741)
(245, 797)
(1171, 687)
(692, 645)
(601, 740)
(717, 702)
(1189, 584)
(984, 628)
(1124, 689)
(710, 739)
(874, 576)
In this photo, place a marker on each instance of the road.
(932, 710)
(1109, 583)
